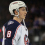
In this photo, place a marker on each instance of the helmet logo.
(15, 2)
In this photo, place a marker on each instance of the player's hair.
(15, 10)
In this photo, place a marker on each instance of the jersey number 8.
(8, 34)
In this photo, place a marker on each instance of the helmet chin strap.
(17, 15)
(24, 22)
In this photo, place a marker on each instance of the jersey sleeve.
(11, 32)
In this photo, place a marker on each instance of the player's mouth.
(25, 15)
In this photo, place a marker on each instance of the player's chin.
(24, 18)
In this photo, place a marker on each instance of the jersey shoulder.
(13, 24)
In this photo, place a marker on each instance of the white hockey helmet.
(16, 5)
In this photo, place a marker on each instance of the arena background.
(35, 20)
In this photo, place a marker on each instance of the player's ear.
(15, 12)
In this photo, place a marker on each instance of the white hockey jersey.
(15, 34)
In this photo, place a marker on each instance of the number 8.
(8, 34)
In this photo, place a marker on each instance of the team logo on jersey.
(10, 22)
(26, 40)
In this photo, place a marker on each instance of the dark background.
(35, 20)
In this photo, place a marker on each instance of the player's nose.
(25, 12)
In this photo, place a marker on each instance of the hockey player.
(14, 33)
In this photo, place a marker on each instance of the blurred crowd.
(35, 20)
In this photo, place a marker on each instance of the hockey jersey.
(15, 33)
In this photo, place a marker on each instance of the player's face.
(22, 12)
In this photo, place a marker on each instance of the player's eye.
(23, 9)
